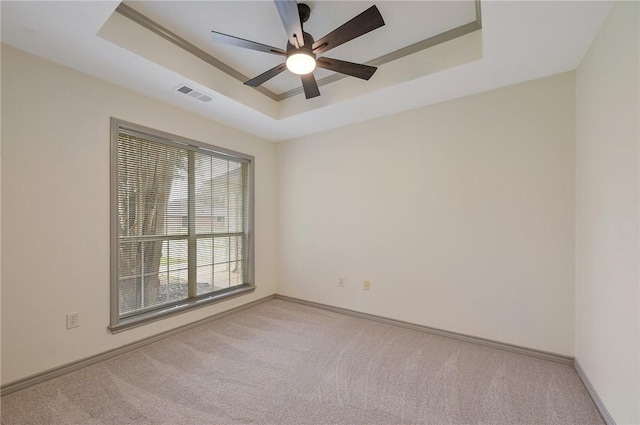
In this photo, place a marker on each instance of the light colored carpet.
(284, 363)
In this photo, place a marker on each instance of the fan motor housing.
(304, 11)
(308, 42)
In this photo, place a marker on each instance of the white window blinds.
(183, 225)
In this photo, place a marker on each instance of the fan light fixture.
(301, 63)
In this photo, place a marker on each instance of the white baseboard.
(594, 394)
(532, 352)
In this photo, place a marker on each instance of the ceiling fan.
(302, 49)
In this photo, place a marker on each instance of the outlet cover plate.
(73, 320)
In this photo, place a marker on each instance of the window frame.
(118, 324)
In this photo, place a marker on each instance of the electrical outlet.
(366, 285)
(341, 282)
(73, 320)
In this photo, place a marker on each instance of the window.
(181, 225)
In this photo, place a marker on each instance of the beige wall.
(607, 213)
(460, 214)
(55, 210)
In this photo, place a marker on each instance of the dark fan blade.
(267, 75)
(353, 69)
(219, 37)
(288, 10)
(310, 86)
(367, 21)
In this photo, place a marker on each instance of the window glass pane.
(235, 273)
(236, 256)
(221, 250)
(204, 272)
(205, 280)
(127, 293)
(174, 272)
(129, 276)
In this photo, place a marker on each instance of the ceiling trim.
(170, 36)
(478, 13)
(142, 20)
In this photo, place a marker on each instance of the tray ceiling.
(406, 23)
(519, 41)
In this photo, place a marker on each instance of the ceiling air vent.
(196, 94)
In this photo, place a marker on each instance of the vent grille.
(196, 94)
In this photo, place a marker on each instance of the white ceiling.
(519, 41)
